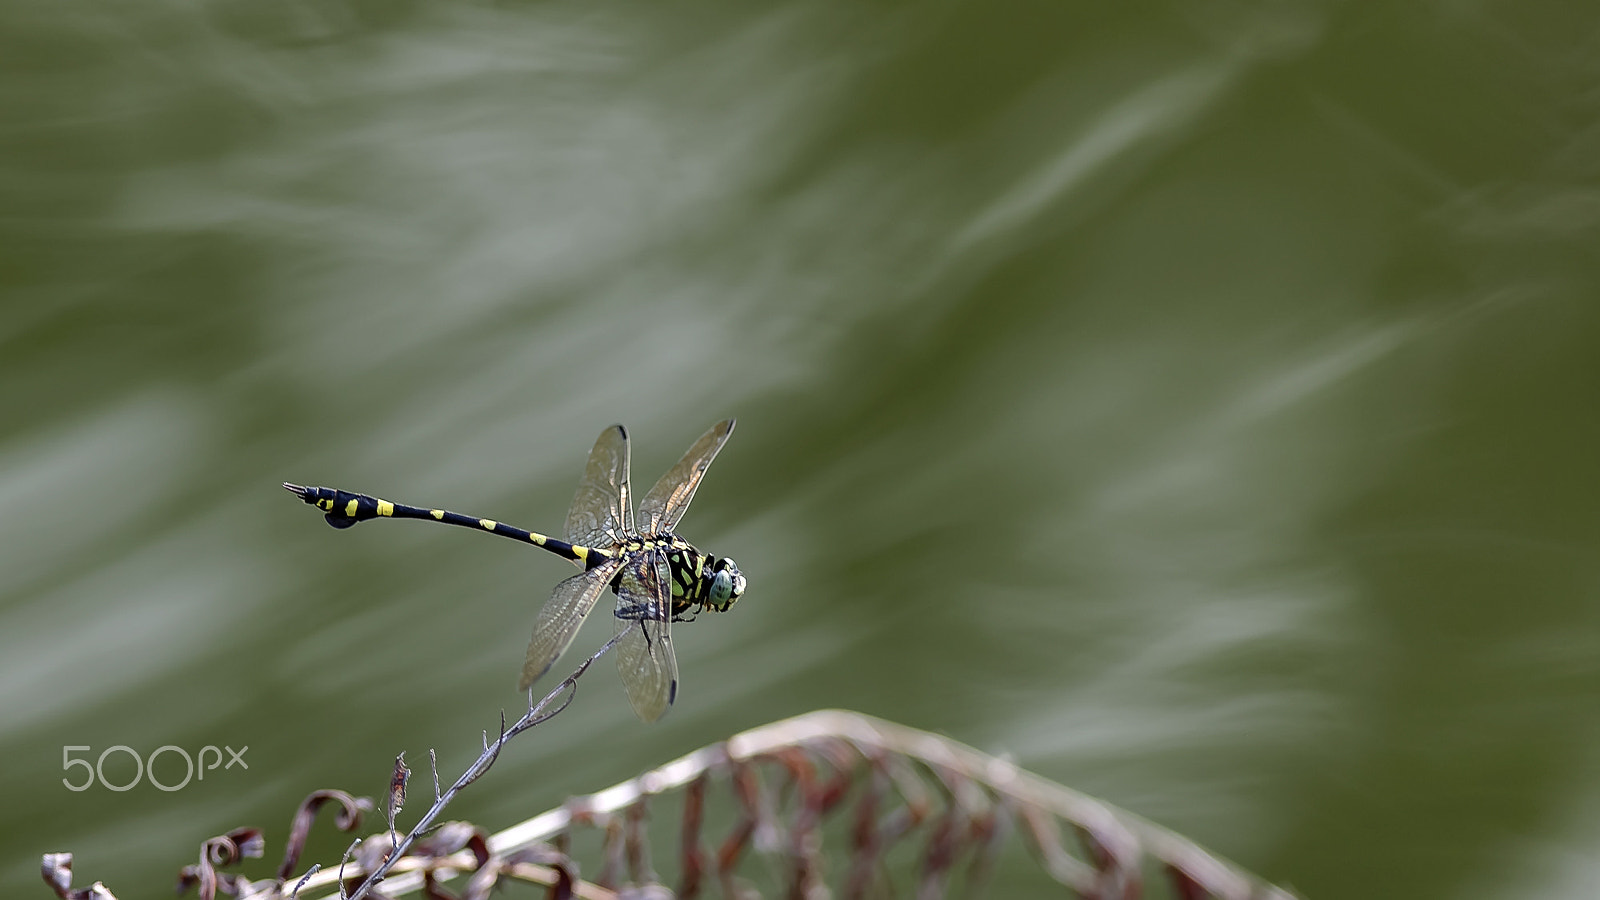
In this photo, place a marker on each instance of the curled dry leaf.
(347, 819)
(57, 871)
(397, 788)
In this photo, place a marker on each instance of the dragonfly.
(658, 577)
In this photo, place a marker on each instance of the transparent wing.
(602, 511)
(644, 619)
(558, 622)
(661, 509)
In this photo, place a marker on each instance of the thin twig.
(342, 860)
(315, 867)
(536, 714)
(499, 742)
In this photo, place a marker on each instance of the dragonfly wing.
(602, 511)
(665, 504)
(569, 604)
(644, 619)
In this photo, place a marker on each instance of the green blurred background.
(1195, 400)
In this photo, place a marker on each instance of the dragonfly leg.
(640, 613)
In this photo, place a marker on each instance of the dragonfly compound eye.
(721, 590)
(726, 585)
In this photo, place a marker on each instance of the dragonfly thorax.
(700, 580)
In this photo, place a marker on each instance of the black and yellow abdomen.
(345, 508)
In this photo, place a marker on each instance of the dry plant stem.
(905, 781)
(315, 868)
(537, 713)
(1121, 835)
(344, 859)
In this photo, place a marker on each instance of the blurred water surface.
(1196, 401)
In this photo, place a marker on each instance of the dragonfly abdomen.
(345, 508)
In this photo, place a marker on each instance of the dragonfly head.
(726, 584)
